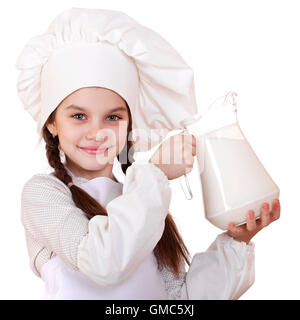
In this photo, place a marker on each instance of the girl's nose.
(93, 131)
(97, 132)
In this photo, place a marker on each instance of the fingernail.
(266, 206)
(276, 203)
(251, 215)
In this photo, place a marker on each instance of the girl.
(88, 235)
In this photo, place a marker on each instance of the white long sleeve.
(116, 245)
(224, 271)
(106, 248)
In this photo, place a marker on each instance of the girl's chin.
(93, 165)
(101, 158)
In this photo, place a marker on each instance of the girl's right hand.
(175, 156)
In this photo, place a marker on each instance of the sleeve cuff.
(224, 238)
(158, 172)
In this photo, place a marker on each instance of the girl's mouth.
(94, 151)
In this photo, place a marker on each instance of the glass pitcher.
(233, 179)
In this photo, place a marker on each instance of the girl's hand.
(175, 155)
(248, 230)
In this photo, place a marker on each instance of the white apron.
(62, 282)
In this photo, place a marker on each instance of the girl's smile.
(94, 151)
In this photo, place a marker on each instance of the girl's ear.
(52, 128)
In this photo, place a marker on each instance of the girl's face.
(91, 117)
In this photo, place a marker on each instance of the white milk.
(233, 181)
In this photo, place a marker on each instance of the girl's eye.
(114, 115)
(77, 115)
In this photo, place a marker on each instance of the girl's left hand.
(248, 230)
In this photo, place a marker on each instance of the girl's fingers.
(275, 209)
(234, 229)
(194, 151)
(265, 215)
(253, 225)
(194, 141)
(251, 221)
(189, 142)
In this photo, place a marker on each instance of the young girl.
(90, 82)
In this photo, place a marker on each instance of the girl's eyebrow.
(74, 106)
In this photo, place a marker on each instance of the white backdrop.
(251, 47)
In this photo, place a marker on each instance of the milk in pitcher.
(233, 179)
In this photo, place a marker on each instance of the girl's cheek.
(74, 134)
(122, 136)
(122, 129)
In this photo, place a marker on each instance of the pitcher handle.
(185, 186)
(184, 181)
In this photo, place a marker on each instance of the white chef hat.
(94, 47)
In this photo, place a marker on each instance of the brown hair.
(170, 250)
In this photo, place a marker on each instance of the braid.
(53, 155)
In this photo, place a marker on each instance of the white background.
(251, 47)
